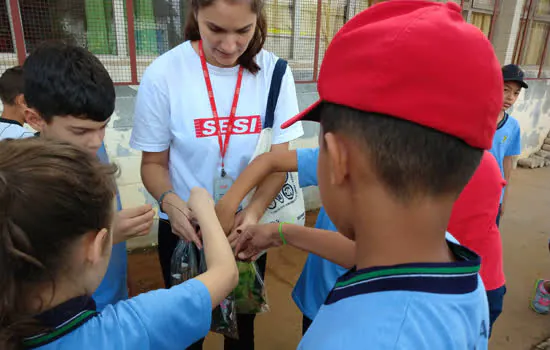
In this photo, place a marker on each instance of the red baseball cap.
(404, 58)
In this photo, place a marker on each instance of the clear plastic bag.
(224, 317)
(250, 294)
(185, 263)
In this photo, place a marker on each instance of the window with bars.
(480, 13)
(300, 30)
(531, 51)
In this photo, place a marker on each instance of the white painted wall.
(532, 110)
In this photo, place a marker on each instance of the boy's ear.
(34, 119)
(338, 158)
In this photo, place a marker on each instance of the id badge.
(221, 186)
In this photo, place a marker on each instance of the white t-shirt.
(10, 129)
(173, 111)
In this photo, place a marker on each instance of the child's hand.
(132, 222)
(181, 219)
(255, 239)
(226, 216)
(243, 220)
(200, 201)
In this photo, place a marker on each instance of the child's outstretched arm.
(329, 245)
(254, 174)
(222, 275)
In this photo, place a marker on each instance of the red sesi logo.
(207, 127)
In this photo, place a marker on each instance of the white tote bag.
(288, 205)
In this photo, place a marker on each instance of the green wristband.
(281, 232)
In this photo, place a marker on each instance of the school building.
(128, 34)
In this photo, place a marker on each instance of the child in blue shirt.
(331, 254)
(71, 98)
(507, 139)
(56, 203)
(319, 275)
(401, 135)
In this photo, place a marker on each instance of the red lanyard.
(223, 145)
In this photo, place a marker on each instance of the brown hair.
(11, 85)
(246, 60)
(51, 193)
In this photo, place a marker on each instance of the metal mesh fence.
(127, 35)
(8, 55)
(158, 28)
(98, 25)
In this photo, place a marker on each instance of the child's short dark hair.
(410, 160)
(63, 79)
(11, 85)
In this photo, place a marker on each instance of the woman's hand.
(255, 239)
(180, 218)
(243, 219)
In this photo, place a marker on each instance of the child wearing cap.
(11, 95)
(390, 169)
(331, 253)
(507, 139)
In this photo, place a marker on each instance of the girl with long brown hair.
(57, 204)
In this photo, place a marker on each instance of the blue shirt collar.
(61, 320)
(459, 277)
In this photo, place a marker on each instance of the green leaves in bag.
(250, 295)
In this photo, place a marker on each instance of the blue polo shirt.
(422, 306)
(114, 286)
(319, 275)
(506, 142)
(167, 319)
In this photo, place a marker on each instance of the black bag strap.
(274, 90)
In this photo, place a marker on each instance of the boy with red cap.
(401, 136)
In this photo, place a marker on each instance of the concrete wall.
(532, 110)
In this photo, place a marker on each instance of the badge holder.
(222, 185)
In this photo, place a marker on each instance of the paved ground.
(525, 231)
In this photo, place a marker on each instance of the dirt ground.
(525, 231)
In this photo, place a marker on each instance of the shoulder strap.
(274, 89)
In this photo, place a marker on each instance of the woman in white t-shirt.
(176, 123)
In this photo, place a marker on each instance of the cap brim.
(309, 114)
(524, 85)
(520, 82)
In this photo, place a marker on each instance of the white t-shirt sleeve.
(287, 107)
(163, 319)
(151, 131)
